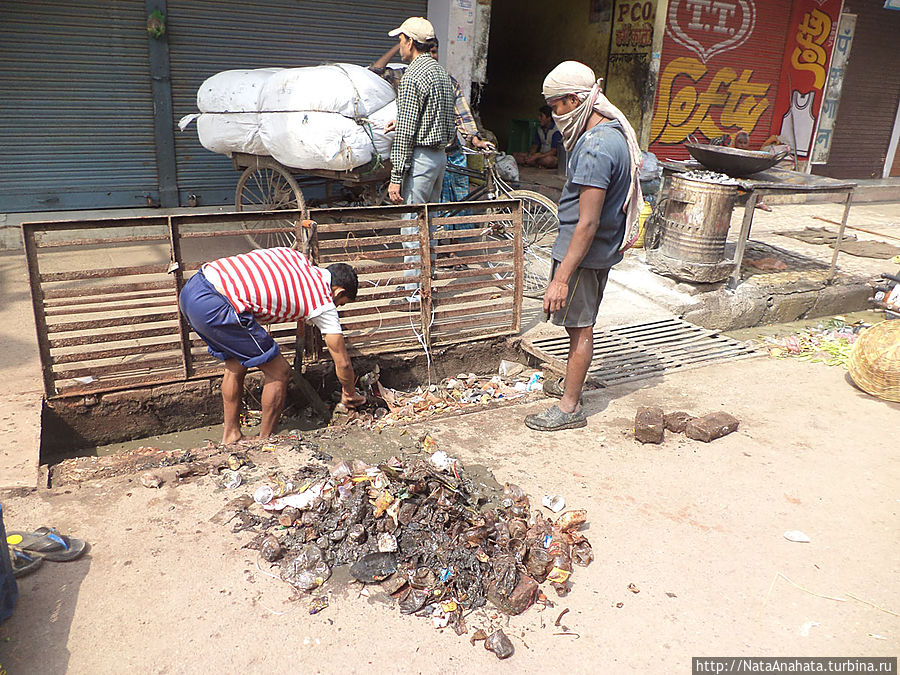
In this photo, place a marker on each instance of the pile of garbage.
(829, 343)
(465, 392)
(434, 539)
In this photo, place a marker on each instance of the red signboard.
(719, 71)
(804, 70)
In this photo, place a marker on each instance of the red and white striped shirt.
(274, 284)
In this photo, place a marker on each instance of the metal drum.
(696, 218)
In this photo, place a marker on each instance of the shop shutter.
(761, 53)
(76, 110)
(209, 36)
(870, 94)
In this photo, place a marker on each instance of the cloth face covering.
(572, 77)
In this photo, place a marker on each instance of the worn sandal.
(47, 543)
(23, 562)
(554, 419)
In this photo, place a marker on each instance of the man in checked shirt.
(425, 126)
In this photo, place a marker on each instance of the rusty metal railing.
(104, 291)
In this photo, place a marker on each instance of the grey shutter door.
(209, 36)
(76, 111)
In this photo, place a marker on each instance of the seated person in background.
(543, 152)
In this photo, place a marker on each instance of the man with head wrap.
(598, 216)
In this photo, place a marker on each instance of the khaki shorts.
(585, 293)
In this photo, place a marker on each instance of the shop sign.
(804, 71)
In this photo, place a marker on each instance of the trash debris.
(264, 494)
(151, 480)
(555, 503)
(649, 424)
(499, 644)
(634, 589)
(306, 569)
(441, 460)
(374, 567)
(467, 391)
(876, 636)
(231, 479)
(510, 368)
(318, 604)
(270, 549)
(804, 629)
(829, 343)
(797, 536)
(710, 427)
(438, 541)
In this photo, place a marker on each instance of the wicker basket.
(874, 362)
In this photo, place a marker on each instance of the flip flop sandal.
(48, 543)
(554, 419)
(23, 562)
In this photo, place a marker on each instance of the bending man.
(600, 202)
(225, 301)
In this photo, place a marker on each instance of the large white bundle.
(324, 117)
(233, 90)
(325, 140)
(230, 132)
(342, 88)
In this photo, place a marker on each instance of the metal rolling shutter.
(869, 97)
(76, 112)
(208, 36)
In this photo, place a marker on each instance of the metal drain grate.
(638, 351)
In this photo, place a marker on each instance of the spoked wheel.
(268, 187)
(540, 223)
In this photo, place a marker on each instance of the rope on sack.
(362, 120)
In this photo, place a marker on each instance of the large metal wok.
(733, 161)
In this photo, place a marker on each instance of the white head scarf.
(572, 77)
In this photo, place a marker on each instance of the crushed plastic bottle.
(498, 643)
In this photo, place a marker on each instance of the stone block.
(677, 421)
(649, 424)
(710, 427)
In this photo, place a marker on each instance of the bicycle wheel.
(540, 224)
(269, 187)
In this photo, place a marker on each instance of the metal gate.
(104, 292)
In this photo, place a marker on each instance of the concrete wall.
(461, 27)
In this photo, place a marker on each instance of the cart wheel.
(540, 224)
(269, 187)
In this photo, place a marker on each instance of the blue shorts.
(227, 334)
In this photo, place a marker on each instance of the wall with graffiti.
(628, 69)
(720, 69)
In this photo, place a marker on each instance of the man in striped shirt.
(226, 300)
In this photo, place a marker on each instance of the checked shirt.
(425, 113)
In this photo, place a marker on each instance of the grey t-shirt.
(599, 159)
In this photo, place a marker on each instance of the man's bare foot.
(229, 438)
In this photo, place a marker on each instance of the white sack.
(317, 140)
(233, 90)
(230, 132)
(343, 88)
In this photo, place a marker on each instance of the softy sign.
(718, 71)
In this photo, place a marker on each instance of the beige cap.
(416, 28)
